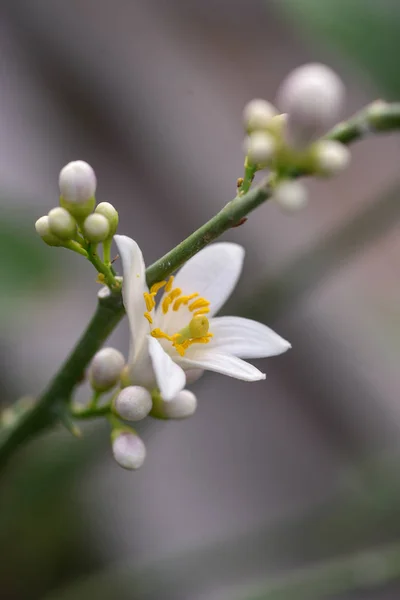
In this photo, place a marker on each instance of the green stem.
(91, 413)
(102, 268)
(378, 117)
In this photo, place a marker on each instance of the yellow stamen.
(157, 333)
(196, 331)
(149, 300)
(165, 304)
(202, 311)
(199, 303)
(156, 287)
(169, 283)
(168, 300)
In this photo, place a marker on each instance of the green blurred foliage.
(42, 537)
(27, 263)
(364, 32)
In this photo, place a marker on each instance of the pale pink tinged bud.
(77, 182)
(43, 229)
(331, 157)
(291, 196)
(62, 224)
(257, 114)
(133, 403)
(313, 96)
(96, 228)
(259, 147)
(105, 369)
(182, 406)
(129, 450)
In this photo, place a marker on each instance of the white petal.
(170, 377)
(133, 287)
(245, 338)
(213, 274)
(221, 363)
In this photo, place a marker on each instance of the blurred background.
(282, 489)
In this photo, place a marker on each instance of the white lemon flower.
(180, 333)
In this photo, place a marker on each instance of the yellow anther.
(189, 298)
(156, 287)
(149, 300)
(178, 303)
(148, 317)
(199, 303)
(199, 327)
(166, 304)
(157, 333)
(175, 293)
(168, 286)
(202, 311)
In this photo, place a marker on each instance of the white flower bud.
(128, 449)
(257, 114)
(109, 212)
(96, 228)
(62, 224)
(183, 405)
(133, 403)
(105, 369)
(331, 157)
(259, 147)
(312, 95)
(43, 229)
(291, 196)
(77, 182)
(193, 375)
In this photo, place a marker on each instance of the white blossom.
(181, 333)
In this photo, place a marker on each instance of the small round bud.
(259, 147)
(133, 403)
(331, 157)
(96, 228)
(182, 406)
(61, 223)
(77, 182)
(312, 95)
(193, 375)
(257, 114)
(105, 369)
(128, 449)
(291, 196)
(109, 212)
(43, 229)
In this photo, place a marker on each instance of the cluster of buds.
(131, 404)
(77, 223)
(286, 138)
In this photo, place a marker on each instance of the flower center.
(196, 332)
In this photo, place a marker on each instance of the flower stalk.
(45, 412)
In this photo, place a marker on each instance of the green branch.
(378, 117)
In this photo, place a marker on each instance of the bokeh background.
(283, 489)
